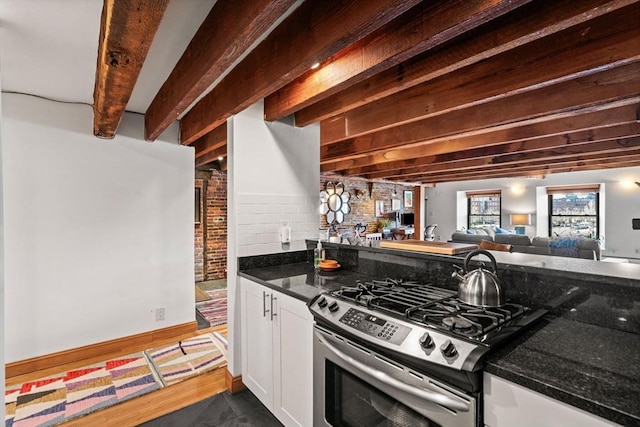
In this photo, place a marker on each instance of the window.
(574, 211)
(483, 209)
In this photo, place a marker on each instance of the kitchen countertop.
(583, 355)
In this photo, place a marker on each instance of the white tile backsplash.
(259, 219)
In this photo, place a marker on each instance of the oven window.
(351, 402)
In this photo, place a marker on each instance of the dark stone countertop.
(587, 357)
(301, 280)
(582, 353)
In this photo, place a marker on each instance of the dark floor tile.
(224, 409)
(202, 322)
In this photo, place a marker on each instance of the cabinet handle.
(272, 313)
(264, 305)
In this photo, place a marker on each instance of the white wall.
(2, 379)
(274, 175)
(524, 196)
(99, 233)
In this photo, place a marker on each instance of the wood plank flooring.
(149, 406)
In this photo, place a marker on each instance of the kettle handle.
(480, 252)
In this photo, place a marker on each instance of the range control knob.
(448, 349)
(426, 342)
(322, 302)
(333, 307)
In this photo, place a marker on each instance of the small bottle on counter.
(317, 255)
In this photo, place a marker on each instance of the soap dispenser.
(317, 254)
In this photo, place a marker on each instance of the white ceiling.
(49, 47)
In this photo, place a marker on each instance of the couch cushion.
(512, 239)
(542, 242)
(469, 238)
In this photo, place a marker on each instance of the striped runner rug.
(215, 309)
(185, 359)
(52, 400)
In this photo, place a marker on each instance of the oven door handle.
(420, 393)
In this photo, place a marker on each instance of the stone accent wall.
(211, 233)
(363, 206)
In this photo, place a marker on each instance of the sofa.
(578, 247)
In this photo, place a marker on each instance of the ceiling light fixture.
(315, 65)
(220, 158)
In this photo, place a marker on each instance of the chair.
(429, 232)
(373, 236)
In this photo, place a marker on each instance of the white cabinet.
(277, 348)
(507, 404)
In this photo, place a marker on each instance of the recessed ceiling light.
(316, 65)
(220, 158)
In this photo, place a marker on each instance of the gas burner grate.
(366, 292)
(464, 319)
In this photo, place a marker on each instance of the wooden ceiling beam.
(605, 43)
(427, 25)
(454, 177)
(608, 89)
(313, 32)
(565, 127)
(527, 24)
(581, 151)
(576, 141)
(628, 159)
(126, 31)
(213, 141)
(219, 154)
(225, 34)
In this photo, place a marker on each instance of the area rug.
(52, 400)
(221, 342)
(214, 310)
(185, 359)
(201, 295)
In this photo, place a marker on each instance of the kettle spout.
(457, 275)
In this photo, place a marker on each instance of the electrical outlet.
(159, 314)
(285, 234)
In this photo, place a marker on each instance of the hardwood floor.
(150, 406)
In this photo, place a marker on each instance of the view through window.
(574, 212)
(483, 209)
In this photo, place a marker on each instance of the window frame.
(583, 189)
(477, 194)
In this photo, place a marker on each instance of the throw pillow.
(490, 231)
(503, 231)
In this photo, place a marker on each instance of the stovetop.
(429, 305)
(421, 321)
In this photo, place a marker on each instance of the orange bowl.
(328, 263)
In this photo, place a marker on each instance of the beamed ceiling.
(412, 91)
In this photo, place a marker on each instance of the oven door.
(354, 386)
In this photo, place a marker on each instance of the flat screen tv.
(407, 219)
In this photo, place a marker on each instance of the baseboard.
(234, 384)
(124, 345)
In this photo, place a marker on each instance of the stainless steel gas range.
(403, 353)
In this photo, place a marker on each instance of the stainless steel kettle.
(480, 287)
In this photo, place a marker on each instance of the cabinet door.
(508, 404)
(257, 341)
(293, 363)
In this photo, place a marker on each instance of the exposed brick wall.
(198, 236)
(363, 207)
(211, 233)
